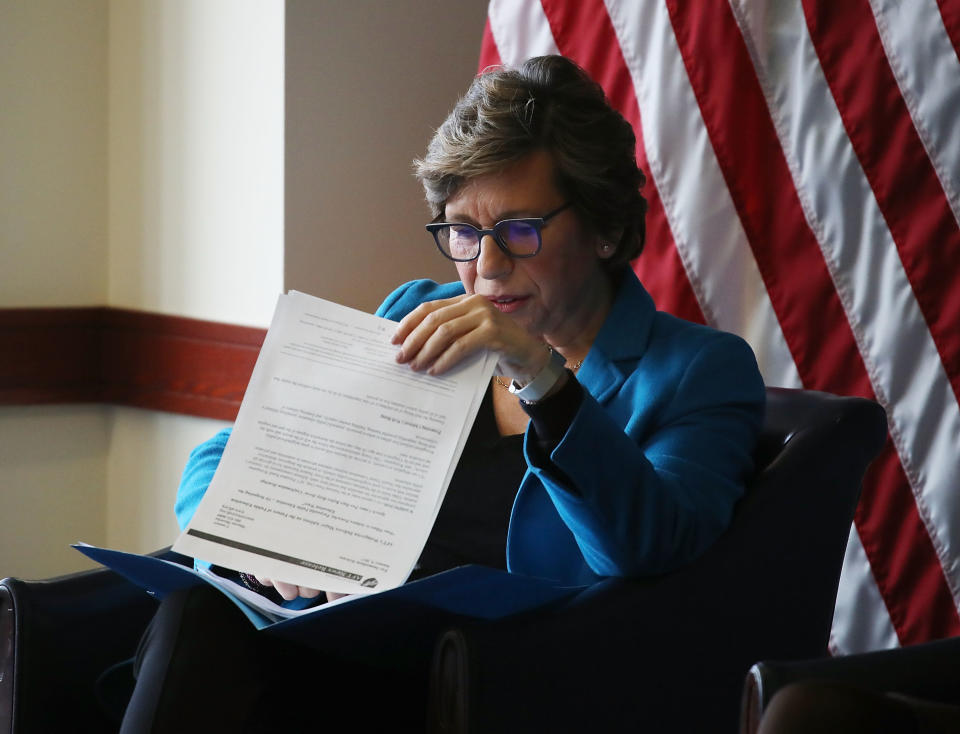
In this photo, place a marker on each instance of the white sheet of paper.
(339, 458)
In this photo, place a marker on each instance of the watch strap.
(543, 382)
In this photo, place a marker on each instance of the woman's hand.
(437, 335)
(292, 591)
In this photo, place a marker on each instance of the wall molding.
(124, 357)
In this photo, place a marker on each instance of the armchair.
(670, 653)
(56, 637)
(622, 655)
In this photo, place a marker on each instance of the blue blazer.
(647, 475)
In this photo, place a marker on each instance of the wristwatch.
(543, 382)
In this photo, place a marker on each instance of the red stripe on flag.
(489, 55)
(583, 32)
(801, 289)
(901, 175)
(887, 521)
(950, 12)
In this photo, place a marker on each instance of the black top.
(471, 526)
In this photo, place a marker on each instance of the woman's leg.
(203, 667)
(196, 667)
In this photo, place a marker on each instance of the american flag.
(803, 159)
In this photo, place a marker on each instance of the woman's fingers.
(445, 338)
(439, 334)
(288, 591)
(409, 322)
(415, 328)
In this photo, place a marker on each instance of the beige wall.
(367, 83)
(53, 249)
(53, 152)
(140, 166)
(196, 157)
(195, 215)
(52, 486)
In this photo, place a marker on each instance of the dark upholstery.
(930, 671)
(660, 654)
(56, 637)
(671, 653)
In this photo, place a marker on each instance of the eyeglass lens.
(462, 241)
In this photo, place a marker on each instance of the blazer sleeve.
(410, 295)
(198, 472)
(648, 481)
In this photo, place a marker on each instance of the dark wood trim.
(110, 355)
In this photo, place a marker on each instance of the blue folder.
(388, 624)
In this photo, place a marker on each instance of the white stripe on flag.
(709, 237)
(929, 77)
(520, 30)
(860, 619)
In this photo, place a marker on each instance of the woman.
(615, 440)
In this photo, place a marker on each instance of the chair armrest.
(621, 656)
(930, 671)
(56, 637)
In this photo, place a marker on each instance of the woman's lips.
(508, 304)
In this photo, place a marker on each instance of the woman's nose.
(492, 262)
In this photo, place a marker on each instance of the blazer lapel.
(622, 340)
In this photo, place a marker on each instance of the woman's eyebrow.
(512, 214)
(460, 219)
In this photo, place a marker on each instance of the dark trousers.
(203, 667)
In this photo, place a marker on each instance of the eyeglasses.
(516, 237)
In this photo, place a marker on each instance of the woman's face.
(562, 294)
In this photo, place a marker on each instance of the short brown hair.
(547, 103)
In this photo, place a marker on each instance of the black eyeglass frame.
(538, 223)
